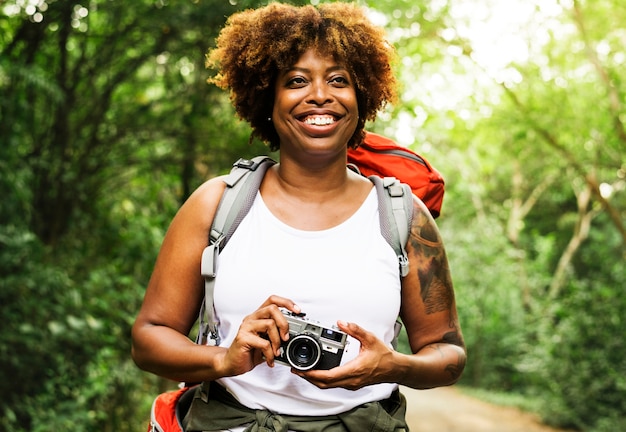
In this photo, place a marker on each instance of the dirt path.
(447, 410)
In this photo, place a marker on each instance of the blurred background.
(107, 124)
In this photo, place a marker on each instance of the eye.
(296, 82)
(339, 81)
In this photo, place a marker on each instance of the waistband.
(215, 409)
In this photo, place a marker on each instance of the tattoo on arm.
(455, 370)
(454, 338)
(432, 271)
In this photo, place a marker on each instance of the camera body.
(311, 345)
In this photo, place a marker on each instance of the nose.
(320, 93)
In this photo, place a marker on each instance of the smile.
(319, 120)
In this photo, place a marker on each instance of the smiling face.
(315, 108)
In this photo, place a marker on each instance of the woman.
(306, 79)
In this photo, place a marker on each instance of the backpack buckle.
(247, 164)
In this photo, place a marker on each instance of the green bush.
(584, 368)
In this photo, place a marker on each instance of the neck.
(313, 198)
(311, 181)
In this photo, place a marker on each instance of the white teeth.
(319, 121)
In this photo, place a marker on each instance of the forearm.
(167, 353)
(435, 365)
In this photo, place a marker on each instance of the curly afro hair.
(255, 45)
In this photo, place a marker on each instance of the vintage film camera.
(310, 345)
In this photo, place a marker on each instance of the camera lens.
(303, 352)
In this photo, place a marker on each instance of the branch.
(613, 93)
(589, 179)
(521, 208)
(580, 234)
(615, 108)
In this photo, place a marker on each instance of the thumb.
(354, 330)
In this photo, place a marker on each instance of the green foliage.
(538, 291)
(584, 347)
(44, 323)
(107, 124)
(491, 313)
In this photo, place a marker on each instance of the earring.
(269, 119)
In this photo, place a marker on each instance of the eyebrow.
(305, 70)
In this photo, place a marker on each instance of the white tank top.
(348, 272)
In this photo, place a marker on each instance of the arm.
(174, 294)
(428, 312)
(172, 301)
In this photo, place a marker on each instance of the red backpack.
(169, 409)
(383, 157)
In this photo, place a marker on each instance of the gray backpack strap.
(242, 185)
(395, 206)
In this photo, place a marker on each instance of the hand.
(373, 364)
(259, 337)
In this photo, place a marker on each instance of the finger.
(354, 330)
(281, 302)
(244, 353)
(273, 312)
(274, 336)
(329, 378)
(261, 334)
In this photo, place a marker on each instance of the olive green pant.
(215, 409)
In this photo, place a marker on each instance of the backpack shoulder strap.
(242, 185)
(395, 207)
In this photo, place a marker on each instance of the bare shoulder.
(424, 230)
(202, 203)
(187, 234)
(209, 191)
